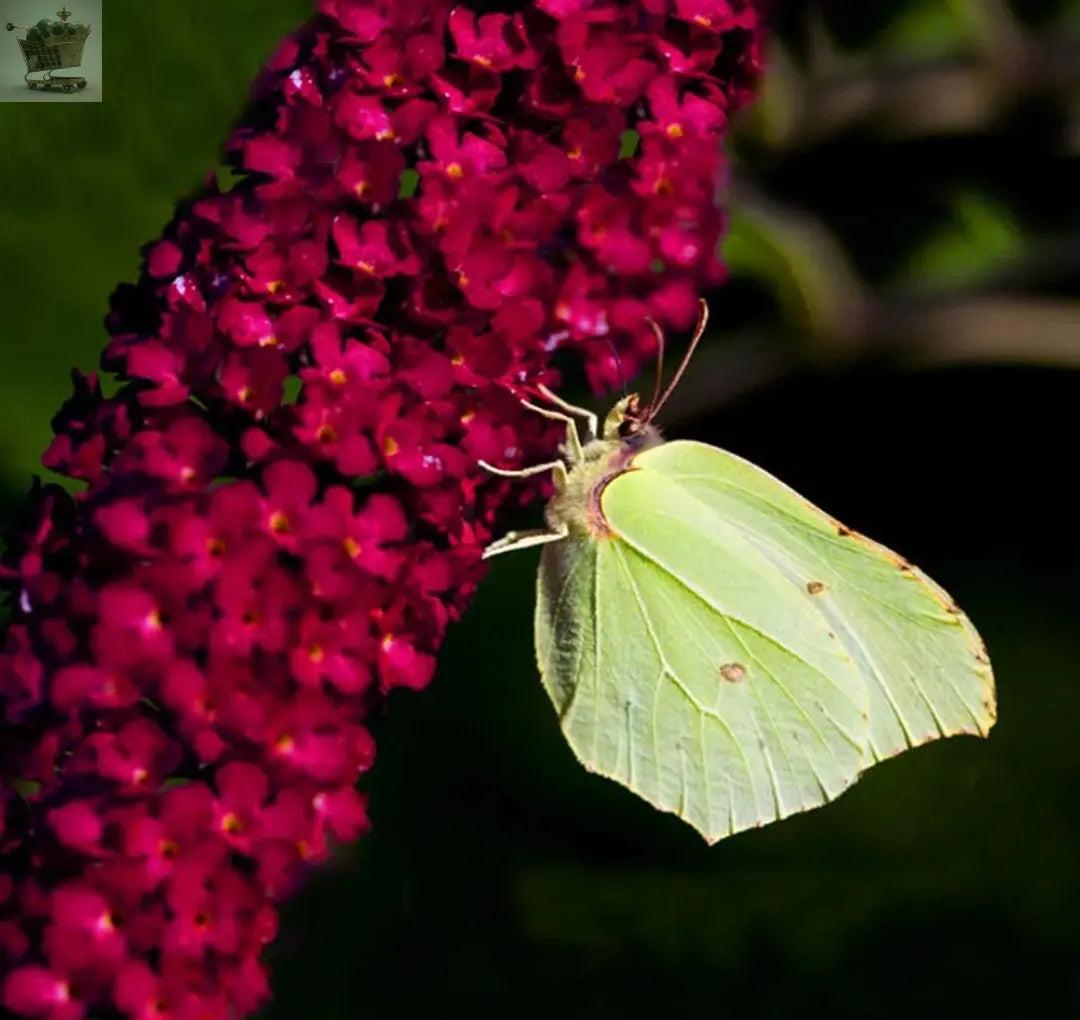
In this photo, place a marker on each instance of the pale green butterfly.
(718, 644)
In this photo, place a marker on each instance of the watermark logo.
(60, 55)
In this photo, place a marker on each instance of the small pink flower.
(470, 90)
(345, 362)
(254, 380)
(78, 824)
(609, 66)
(494, 41)
(80, 686)
(676, 116)
(336, 650)
(242, 790)
(459, 155)
(722, 16)
(371, 171)
(289, 488)
(344, 811)
(247, 323)
(272, 156)
(38, 992)
(401, 70)
(161, 366)
(363, 116)
(401, 664)
(366, 537)
(84, 927)
(374, 248)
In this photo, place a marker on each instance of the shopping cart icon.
(49, 46)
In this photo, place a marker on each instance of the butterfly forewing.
(923, 663)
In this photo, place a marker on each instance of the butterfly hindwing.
(684, 665)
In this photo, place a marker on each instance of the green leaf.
(410, 180)
(819, 297)
(981, 237)
(291, 389)
(227, 177)
(928, 29)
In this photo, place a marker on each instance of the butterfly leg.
(590, 419)
(572, 449)
(538, 536)
(514, 540)
(556, 467)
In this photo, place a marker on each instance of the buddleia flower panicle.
(280, 507)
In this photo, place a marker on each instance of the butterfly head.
(629, 423)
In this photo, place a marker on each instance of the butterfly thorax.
(577, 501)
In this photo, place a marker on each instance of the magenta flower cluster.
(280, 509)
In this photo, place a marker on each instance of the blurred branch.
(1000, 330)
(1042, 264)
(992, 329)
(819, 291)
(976, 288)
(831, 317)
(918, 96)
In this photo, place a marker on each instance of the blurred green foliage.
(904, 198)
(980, 232)
(905, 160)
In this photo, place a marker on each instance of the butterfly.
(718, 644)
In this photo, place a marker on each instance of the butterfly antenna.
(618, 366)
(703, 318)
(659, 334)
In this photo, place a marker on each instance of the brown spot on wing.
(934, 590)
(815, 587)
(732, 672)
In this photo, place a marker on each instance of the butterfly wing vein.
(923, 663)
(633, 635)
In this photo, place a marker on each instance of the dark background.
(899, 341)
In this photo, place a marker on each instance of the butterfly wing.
(685, 666)
(923, 663)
